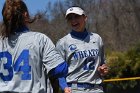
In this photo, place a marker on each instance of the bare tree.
(117, 21)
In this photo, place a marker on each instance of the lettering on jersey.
(90, 58)
(86, 53)
(21, 65)
(82, 54)
(89, 55)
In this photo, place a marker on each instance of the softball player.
(83, 50)
(26, 56)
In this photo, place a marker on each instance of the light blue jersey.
(83, 56)
(23, 58)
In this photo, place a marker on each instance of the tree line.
(117, 21)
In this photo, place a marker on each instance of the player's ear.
(85, 18)
(26, 16)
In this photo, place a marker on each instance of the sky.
(33, 5)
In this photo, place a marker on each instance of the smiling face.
(77, 22)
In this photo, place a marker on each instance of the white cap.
(75, 10)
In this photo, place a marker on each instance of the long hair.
(13, 16)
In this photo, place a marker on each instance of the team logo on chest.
(76, 53)
(72, 47)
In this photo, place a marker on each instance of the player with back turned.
(25, 55)
(83, 50)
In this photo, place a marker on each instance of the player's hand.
(103, 70)
(67, 90)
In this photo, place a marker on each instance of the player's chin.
(76, 28)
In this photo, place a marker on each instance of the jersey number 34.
(21, 66)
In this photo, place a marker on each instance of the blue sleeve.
(60, 71)
(62, 83)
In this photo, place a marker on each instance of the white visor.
(74, 10)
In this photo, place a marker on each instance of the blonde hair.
(13, 16)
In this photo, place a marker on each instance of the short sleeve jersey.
(83, 57)
(24, 57)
